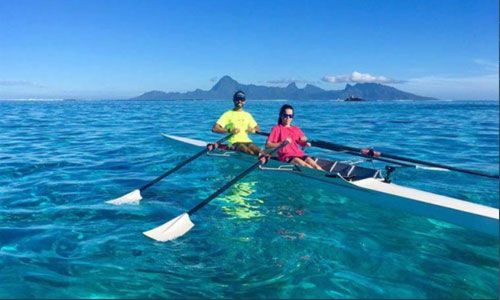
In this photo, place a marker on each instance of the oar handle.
(233, 181)
(182, 164)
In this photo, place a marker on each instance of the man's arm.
(219, 129)
(254, 130)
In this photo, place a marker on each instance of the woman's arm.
(272, 145)
(302, 137)
(273, 140)
(302, 141)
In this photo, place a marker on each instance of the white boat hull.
(463, 213)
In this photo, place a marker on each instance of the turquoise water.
(267, 237)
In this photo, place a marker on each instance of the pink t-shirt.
(280, 133)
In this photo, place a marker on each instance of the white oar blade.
(131, 198)
(171, 230)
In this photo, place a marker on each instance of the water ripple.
(269, 236)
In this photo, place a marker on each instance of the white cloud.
(10, 82)
(359, 78)
(487, 64)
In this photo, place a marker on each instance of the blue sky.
(120, 49)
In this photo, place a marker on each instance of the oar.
(182, 224)
(369, 153)
(135, 196)
(374, 155)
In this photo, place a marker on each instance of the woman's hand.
(302, 141)
(251, 130)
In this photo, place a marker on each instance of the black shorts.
(233, 146)
(289, 160)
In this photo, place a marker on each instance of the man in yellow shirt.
(240, 123)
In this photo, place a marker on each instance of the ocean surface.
(269, 236)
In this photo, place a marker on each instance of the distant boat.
(352, 98)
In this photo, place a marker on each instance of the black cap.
(239, 95)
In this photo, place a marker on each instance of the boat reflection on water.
(238, 201)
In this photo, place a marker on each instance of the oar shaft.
(358, 151)
(431, 164)
(233, 181)
(182, 164)
(381, 159)
(223, 188)
(334, 147)
(337, 147)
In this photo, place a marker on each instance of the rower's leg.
(300, 162)
(243, 148)
(313, 164)
(255, 149)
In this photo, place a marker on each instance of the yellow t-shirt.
(237, 119)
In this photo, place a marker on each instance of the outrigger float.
(345, 178)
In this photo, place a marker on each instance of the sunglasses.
(239, 100)
(289, 116)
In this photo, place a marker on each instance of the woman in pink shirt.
(291, 153)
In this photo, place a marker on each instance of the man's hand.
(303, 138)
(251, 130)
(234, 130)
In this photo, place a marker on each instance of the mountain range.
(227, 86)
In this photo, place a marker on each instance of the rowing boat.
(370, 185)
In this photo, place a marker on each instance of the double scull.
(370, 185)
